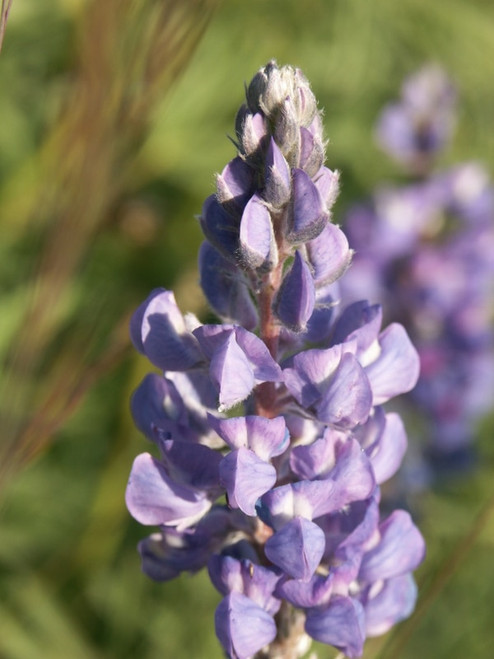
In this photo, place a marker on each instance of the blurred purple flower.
(425, 250)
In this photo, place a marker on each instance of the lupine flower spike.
(270, 439)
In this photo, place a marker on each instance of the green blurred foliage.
(114, 117)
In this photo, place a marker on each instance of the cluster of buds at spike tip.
(270, 437)
(269, 221)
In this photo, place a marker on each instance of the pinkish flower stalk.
(269, 429)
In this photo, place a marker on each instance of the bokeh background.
(114, 117)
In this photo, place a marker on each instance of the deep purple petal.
(229, 574)
(309, 214)
(153, 499)
(257, 243)
(400, 549)
(245, 478)
(156, 403)
(220, 228)
(225, 288)
(394, 601)
(235, 184)
(135, 325)
(164, 337)
(191, 464)
(266, 437)
(396, 369)
(164, 558)
(341, 624)
(295, 300)
(296, 548)
(243, 627)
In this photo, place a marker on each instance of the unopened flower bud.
(277, 177)
(295, 301)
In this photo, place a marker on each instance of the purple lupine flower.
(270, 429)
(425, 251)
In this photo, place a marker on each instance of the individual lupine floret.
(271, 436)
(415, 129)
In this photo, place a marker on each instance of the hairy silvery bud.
(312, 154)
(287, 133)
(272, 86)
(251, 133)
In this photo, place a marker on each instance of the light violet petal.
(341, 624)
(245, 478)
(309, 215)
(310, 372)
(212, 337)
(328, 184)
(394, 602)
(296, 548)
(353, 474)
(153, 499)
(347, 399)
(266, 437)
(396, 370)
(264, 367)
(257, 243)
(350, 532)
(315, 459)
(388, 455)
(231, 372)
(400, 550)
(242, 626)
(329, 255)
(306, 499)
